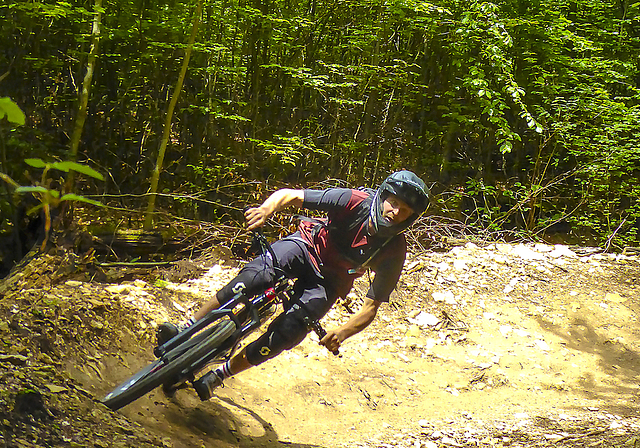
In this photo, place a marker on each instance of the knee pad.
(250, 280)
(284, 333)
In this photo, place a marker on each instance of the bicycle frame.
(247, 314)
(255, 307)
(212, 339)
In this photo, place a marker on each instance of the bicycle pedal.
(170, 389)
(205, 385)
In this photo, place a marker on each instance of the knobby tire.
(161, 370)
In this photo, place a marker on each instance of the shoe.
(205, 385)
(165, 332)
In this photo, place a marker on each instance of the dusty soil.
(493, 346)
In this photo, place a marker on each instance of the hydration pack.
(359, 216)
(342, 232)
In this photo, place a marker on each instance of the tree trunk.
(84, 93)
(148, 222)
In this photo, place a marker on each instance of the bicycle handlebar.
(321, 332)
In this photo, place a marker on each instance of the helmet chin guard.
(410, 189)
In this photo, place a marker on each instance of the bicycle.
(212, 339)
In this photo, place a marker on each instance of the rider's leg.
(210, 305)
(288, 329)
(239, 363)
(259, 274)
(205, 385)
(254, 277)
(285, 332)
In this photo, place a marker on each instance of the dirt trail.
(503, 345)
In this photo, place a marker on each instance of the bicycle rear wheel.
(169, 367)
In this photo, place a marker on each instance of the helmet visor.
(412, 193)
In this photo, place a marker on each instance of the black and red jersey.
(340, 248)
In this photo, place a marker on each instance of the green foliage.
(535, 101)
(11, 111)
(583, 88)
(487, 208)
(483, 46)
(65, 167)
(46, 196)
(609, 154)
(288, 150)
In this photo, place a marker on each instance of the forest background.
(522, 116)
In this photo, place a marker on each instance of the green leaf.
(230, 117)
(12, 111)
(73, 166)
(77, 197)
(36, 163)
(506, 148)
(24, 190)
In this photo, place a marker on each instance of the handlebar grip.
(322, 333)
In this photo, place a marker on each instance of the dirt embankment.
(495, 346)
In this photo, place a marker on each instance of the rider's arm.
(257, 216)
(388, 267)
(356, 324)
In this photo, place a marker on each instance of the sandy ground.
(476, 341)
(493, 346)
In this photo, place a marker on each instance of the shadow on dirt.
(619, 363)
(185, 420)
(224, 422)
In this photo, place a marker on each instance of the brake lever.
(321, 332)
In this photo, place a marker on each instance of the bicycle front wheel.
(167, 368)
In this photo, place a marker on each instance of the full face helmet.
(410, 189)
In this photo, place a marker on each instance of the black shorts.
(288, 329)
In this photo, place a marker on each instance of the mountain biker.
(363, 230)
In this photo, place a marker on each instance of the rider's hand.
(332, 340)
(256, 217)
